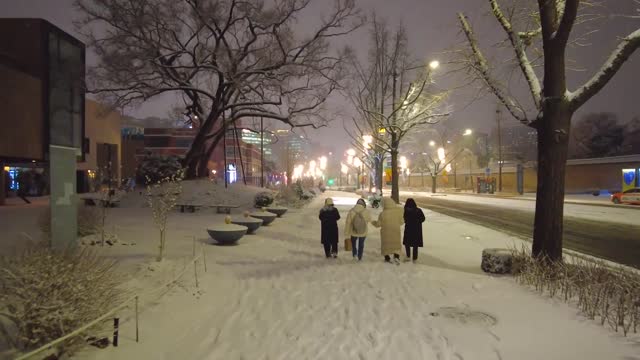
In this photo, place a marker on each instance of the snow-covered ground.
(275, 296)
(616, 214)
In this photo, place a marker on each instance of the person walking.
(413, 219)
(329, 217)
(389, 221)
(356, 227)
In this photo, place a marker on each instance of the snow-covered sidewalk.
(275, 296)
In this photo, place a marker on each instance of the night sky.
(432, 28)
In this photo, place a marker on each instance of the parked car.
(630, 196)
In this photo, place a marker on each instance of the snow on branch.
(521, 55)
(480, 66)
(618, 57)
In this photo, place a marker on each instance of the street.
(615, 239)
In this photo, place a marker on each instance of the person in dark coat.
(413, 219)
(329, 217)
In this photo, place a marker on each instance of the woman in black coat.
(413, 219)
(329, 217)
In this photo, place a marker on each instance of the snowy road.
(614, 241)
(275, 296)
(622, 214)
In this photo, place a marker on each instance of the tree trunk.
(553, 140)
(434, 179)
(395, 183)
(553, 145)
(197, 158)
(379, 169)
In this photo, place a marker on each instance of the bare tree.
(444, 147)
(598, 135)
(386, 120)
(553, 103)
(222, 56)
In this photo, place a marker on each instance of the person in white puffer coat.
(390, 223)
(356, 228)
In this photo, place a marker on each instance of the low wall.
(579, 178)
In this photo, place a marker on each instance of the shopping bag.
(347, 244)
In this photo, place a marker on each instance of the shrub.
(162, 197)
(89, 220)
(46, 294)
(154, 169)
(608, 294)
(263, 199)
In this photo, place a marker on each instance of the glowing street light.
(403, 162)
(434, 64)
(367, 140)
(351, 152)
(467, 132)
(323, 163)
(432, 143)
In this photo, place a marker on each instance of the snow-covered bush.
(162, 197)
(46, 294)
(609, 294)
(288, 196)
(89, 221)
(263, 199)
(307, 195)
(154, 169)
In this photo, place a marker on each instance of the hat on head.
(328, 202)
(362, 202)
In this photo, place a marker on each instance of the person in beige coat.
(390, 222)
(356, 229)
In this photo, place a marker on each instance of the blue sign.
(487, 171)
(629, 176)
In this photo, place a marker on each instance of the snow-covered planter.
(278, 210)
(266, 217)
(497, 261)
(227, 233)
(251, 223)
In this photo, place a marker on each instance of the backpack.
(359, 224)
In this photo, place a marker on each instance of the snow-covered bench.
(192, 207)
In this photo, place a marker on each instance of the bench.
(189, 207)
(93, 199)
(224, 208)
(192, 207)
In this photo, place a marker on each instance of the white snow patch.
(275, 296)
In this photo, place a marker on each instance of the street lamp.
(467, 132)
(323, 163)
(367, 140)
(432, 143)
(434, 64)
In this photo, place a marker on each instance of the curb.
(573, 202)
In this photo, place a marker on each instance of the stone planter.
(277, 210)
(227, 234)
(265, 216)
(497, 261)
(251, 223)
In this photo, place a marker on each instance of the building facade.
(42, 98)
(102, 148)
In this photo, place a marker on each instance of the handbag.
(347, 244)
